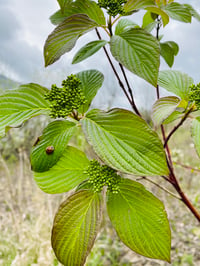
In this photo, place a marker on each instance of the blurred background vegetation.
(26, 213)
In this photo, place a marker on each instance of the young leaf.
(17, 106)
(66, 174)
(193, 12)
(140, 220)
(178, 12)
(176, 82)
(139, 52)
(168, 50)
(87, 7)
(195, 130)
(64, 3)
(65, 35)
(137, 4)
(148, 22)
(91, 81)
(159, 12)
(75, 228)
(88, 50)
(125, 142)
(163, 108)
(55, 136)
(124, 25)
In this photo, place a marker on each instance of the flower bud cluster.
(100, 176)
(113, 7)
(195, 95)
(66, 99)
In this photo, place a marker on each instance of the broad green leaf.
(168, 50)
(58, 17)
(17, 106)
(57, 134)
(65, 35)
(137, 4)
(91, 81)
(66, 174)
(163, 108)
(140, 220)
(139, 52)
(75, 228)
(195, 130)
(193, 12)
(176, 82)
(148, 22)
(88, 50)
(160, 12)
(123, 25)
(178, 12)
(147, 19)
(87, 7)
(125, 142)
(64, 3)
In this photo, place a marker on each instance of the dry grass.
(26, 216)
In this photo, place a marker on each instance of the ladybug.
(49, 150)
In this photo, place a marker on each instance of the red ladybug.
(49, 149)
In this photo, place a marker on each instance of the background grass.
(26, 213)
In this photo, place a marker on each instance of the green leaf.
(176, 82)
(147, 19)
(88, 50)
(123, 25)
(125, 142)
(168, 50)
(58, 17)
(160, 12)
(17, 106)
(178, 12)
(148, 22)
(137, 4)
(64, 3)
(75, 228)
(195, 130)
(91, 81)
(65, 35)
(174, 116)
(163, 108)
(66, 174)
(140, 220)
(193, 12)
(139, 52)
(87, 7)
(57, 134)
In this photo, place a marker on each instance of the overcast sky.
(24, 26)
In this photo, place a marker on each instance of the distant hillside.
(6, 83)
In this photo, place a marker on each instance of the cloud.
(9, 24)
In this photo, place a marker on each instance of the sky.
(25, 25)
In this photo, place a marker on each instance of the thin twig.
(187, 167)
(114, 70)
(129, 90)
(178, 125)
(184, 198)
(159, 186)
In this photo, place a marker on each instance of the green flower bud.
(194, 95)
(101, 176)
(66, 99)
(113, 7)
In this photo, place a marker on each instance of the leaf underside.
(75, 227)
(140, 220)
